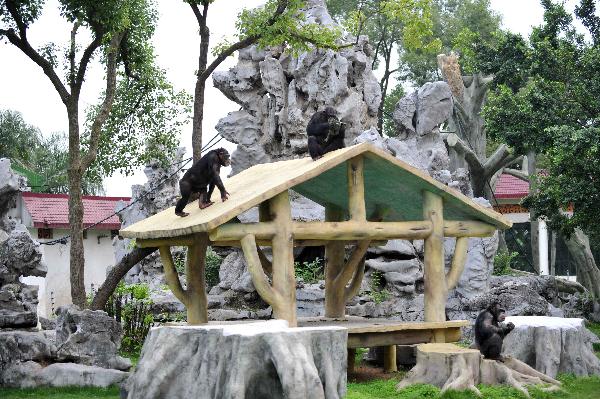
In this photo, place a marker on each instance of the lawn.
(61, 393)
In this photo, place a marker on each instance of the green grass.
(60, 393)
(573, 388)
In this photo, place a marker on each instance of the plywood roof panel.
(388, 182)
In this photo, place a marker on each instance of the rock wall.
(28, 357)
(278, 93)
(20, 255)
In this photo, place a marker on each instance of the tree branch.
(452, 140)
(281, 6)
(26, 48)
(492, 164)
(517, 173)
(116, 274)
(14, 12)
(72, 55)
(85, 59)
(111, 81)
(171, 275)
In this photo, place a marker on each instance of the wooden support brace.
(458, 262)
(261, 283)
(389, 359)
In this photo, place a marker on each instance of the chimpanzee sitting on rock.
(325, 132)
(489, 334)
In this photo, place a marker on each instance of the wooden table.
(372, 332)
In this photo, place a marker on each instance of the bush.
(130, 306)
(502, 262)
(378, 292)
(211, 272)
(310, 272)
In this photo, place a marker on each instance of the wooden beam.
(197, 306)
(436, 292)
(468, 228)
(284, 281)
(183, 241)
(356, 189)
(389, 359)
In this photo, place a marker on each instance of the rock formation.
(28, 357)
(252, 360)
(278, 93)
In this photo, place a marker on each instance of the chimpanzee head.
(498, 312)
(223, 156)
(330, 111)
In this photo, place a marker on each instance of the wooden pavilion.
(368, 196)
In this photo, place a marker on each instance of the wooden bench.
(371, 332)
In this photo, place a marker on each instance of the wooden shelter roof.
(389, 183)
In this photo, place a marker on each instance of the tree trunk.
(535, 234)
(77, 257)
(588, 273)
(116, 274)
(200, 86)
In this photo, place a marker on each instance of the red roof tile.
(52, 210)
(511, 187)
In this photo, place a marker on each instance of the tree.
(44, 160)
(119, 31)
(277, 23)
(556, 113)
(391, 25)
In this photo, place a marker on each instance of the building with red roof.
(46, 216)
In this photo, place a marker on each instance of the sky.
(24, 88)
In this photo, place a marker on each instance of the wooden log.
(197, 301)
(335, 304)
(458, 262)
(183, 241)
(468, 228)
(356, 189)
(171, 275)
(284, 281)
(259, 279)
(436, 291)
(297, 243)
(389, 359)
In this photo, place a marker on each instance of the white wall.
(56, 291)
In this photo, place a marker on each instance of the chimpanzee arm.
(216, 180)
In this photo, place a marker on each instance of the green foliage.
(213, 264)
(60, 393)
(389, 104)
(290, 29)
(310, 272)
(502, 263)
(42, 159)
(130, 305)
(573, 179)
(358, 357)
(378, 293)
(144, 123)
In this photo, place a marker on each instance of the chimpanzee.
(325, 133)
(203, 173)
(489, 334)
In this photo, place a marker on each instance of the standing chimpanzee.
(489, 334)
(325, 133)
(205, 172)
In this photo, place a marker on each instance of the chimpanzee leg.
(492, 348)
(186, 190)
(203, 199)
(314, 148)
(335, 144)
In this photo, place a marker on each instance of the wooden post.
(389, 359)
(436, 291)
(284, 281)
(356, 189)
(335, 303)
(351, 360)
(194, 297)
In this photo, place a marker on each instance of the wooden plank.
(365, 325)
(255, 185)
(399, 337)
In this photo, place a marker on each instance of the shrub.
(211, 272)
(310, 272)
(502, 262)
(378, 292)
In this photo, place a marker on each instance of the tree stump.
(448, 366)
(237, 361)
(552, 345)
